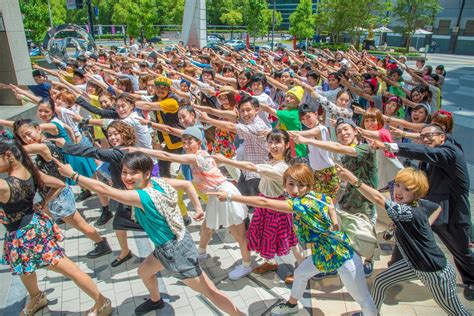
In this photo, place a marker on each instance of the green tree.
(36, 17)
(414, 14)
(170, 12)
(138, 15)
(254, 18)
(232, 18)
(302, 20)
(339, 16)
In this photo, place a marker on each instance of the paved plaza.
(255, 294)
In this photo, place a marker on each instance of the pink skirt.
(271, 233)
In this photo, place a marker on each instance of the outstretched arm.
(327, 145)
(256, 201)
(188, 159)
(127, 197)
(188, 187)
(368, 192)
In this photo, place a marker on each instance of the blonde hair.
(415, 180)
(301, 173)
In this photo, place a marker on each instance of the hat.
(193, 131)
(343, 120)
(225, 90)
(98, 78)
(423, 105)
(297, 91)
(307, 108)
(163, 81)
(186, 82)
(93, 56)
(152, 55)
(79, 72)
(38, 73)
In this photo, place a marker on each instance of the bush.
(332, 46)
(109, 36)
(395, 54)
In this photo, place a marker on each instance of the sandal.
(41, 301)
(104, 310)
(118, 261)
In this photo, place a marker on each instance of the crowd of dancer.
(278, 145)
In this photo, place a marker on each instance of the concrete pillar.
(194, 31)
(15, 65)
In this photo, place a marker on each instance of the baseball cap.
(307, 108)
(193, 131)
(38, 73)
(343, 120)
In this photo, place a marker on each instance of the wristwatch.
(357, 184)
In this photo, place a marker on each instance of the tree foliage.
(256, 17)
(302, 20)
(415, 14)
(339, 16)
(138, 15)
(36, 17)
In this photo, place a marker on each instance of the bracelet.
(357, 184)
(77, 178)
(74, 174)
(404, 134)
(229, 197)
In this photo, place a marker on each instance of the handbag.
(361, 233)
(359, 230)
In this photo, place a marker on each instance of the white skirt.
(226, 213)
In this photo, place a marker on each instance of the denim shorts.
(180, 258)
(64, 204)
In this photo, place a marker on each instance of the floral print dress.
(329, 249)
(32, 239)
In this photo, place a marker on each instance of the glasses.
(429, 135)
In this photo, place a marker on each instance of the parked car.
(214, 46)
(286, 37)
(220, 37)
(35, 52)
(235, 44)
(123, 51)
(154, 39)
(213, 39)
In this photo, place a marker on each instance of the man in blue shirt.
(42, 87)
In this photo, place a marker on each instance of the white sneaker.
(203, 256)
(239, 272)
(283, 309)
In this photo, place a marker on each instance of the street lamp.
(273, 25)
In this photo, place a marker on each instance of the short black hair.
(137, 161)
(248, 99)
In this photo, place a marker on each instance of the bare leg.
(203, 285)
(78, 222)
(147, 272)
(206, 235)
(122, 239)
(67, 268)
(238, 232)
(104, 201)
(30, 282)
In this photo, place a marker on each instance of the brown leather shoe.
(266, 267)
(289, 279)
